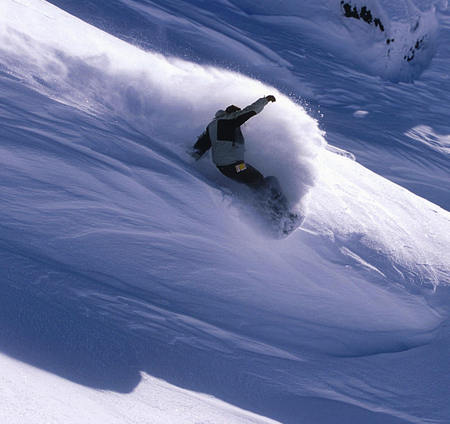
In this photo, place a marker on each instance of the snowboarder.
(223, 134)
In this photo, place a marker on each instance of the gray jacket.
(227, 141)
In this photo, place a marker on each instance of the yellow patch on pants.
(240, 167)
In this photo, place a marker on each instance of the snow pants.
(243, 173)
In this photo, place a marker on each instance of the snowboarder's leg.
(286, 221)
(268, 189)
(243, 173)
(273, 186)
(273, 195)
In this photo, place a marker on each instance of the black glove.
(270, 98)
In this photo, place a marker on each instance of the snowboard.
(275, 209)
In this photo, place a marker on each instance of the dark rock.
(377, 22)
(366, 15)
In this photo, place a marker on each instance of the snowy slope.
(93, 356)
(122, 257)
(31, 395)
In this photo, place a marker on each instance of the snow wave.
(380, 226)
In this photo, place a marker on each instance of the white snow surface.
(138, 283)
(33, 395)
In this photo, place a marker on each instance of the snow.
(360, 113)
(426, 135)
(139, 285)
(32, 395)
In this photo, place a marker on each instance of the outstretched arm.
(245, 114)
